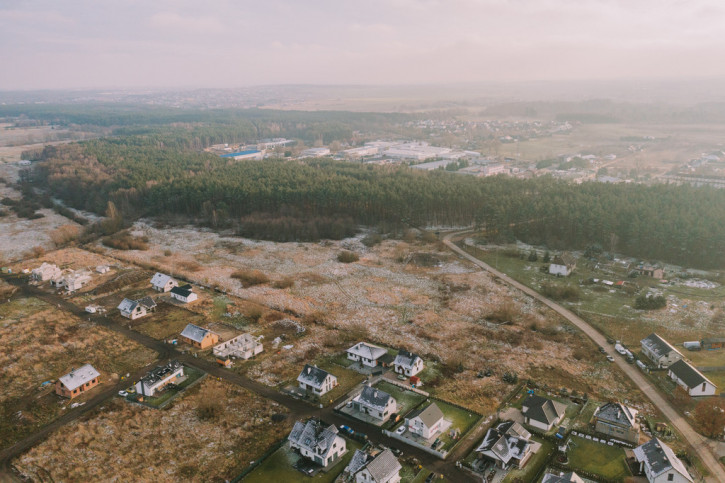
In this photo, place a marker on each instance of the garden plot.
(210, 434)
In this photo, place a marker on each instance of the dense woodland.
(294, 200)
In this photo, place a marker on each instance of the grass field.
(346, 380)
(462, 420)
(601, 459)
(168, 324)
(278, 467)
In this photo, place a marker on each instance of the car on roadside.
(346, 429)
(610, 358)
(400, 430)
(122, 393)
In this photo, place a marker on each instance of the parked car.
(401, 377)
(400, 430)
(436, 443)
(346, 429)
(122, 393)
(610, 358)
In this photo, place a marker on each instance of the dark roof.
(564, 259)
(313, 375)
(659, 458)
(147, 302)
(658, 345)
(184, 291)
(570, 477)
(160, 372)
(386, 358)
(543, 410)
(405, 358)
(374, 397)
(616, 413)
(688, 374)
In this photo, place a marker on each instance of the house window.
(703, 386)
(670, 477)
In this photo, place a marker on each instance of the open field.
(38, 344)
(278, 467)
(213, 432)
(606, 461)
(385, 298)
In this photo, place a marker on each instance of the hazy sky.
(217, 43)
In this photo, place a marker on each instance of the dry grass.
(193, 440)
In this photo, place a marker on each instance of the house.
(160, 377)
(407, 363)
(617, 421)
(320, 444)
(133, 309)
(184, 294)
(659, 351)
(45, 272)
(691, 380)
(375, 403)
(713, 343)
(77, 381)
(570, 477)
(659, 464)
(651, 271)
(103, 269)
(242, 346)
(542, 413)
(381, 468)
(315, 380)
(508, 444)
(366, 354)
(425, 422)
(198, 337)
(74, 281)
(163, 283)
(562, 265)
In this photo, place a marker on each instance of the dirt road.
(698, 442)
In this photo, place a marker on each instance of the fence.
(259, 461)
(427, 449)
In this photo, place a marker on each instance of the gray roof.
(359, 459)
(659, 458)
(405, 359)
(570, 477)
(383, 466)
(430, 415)
(77, 377)
(542, 409)
(160, 372)
(373, 397)
(368, 351)
(688, 374)
(616, 413)
(160, 279)
(657, 345)
(147, 302)
(194, 332)
(127, 305)
(509, 440)
(184, 291)
(314, 436)
(313, 375)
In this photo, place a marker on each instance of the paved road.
(298, 409)
(698, 442)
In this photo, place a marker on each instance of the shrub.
(254, 315)
(285, 282)
(510, 377)
(560, 292)
(190, 265)
(64, 234)
(347, 257)
(168, 253)
(372, 240)
(429, 237)
(123, 240)
(249, 278)
(650, 302)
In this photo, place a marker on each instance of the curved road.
(698, 442)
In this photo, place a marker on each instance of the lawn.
(585, 415)
(169, 324)
(462, 420)
(346, 380)
(534, 465)
(406, 400)
(278, 467)
(601, 459)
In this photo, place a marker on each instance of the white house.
(74, 281)
(242, 346)
(315, 380)
(691, 380)
(562, 265)
(659, 464)
(45, 272)
(659, 351)
(159, 377)
(322, 445)
(425, 422)
(508, 444)
(407, 363)
(375, 403)
(184, 294)
(133, 309)
(103, 269)
(365, 353)
(163, 283)
(542, 413)
(381, 468)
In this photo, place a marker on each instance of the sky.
(78, 44)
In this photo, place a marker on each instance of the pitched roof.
(430, 415)
(570, 477)
(688, 374)
(160, 279)
(359, 459)
(383, 466)
(542, 409)
(160, 372)
(658, 346)
(506, 441)
(616, 413)
(373, 397)
(659, 458)
(312, 375)
(147, 302)
(184, 291)
(564, 259)
(368, 351)
(194, 333)
(80, 376)
(405, 359)
(127, 305)
(314, 436)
